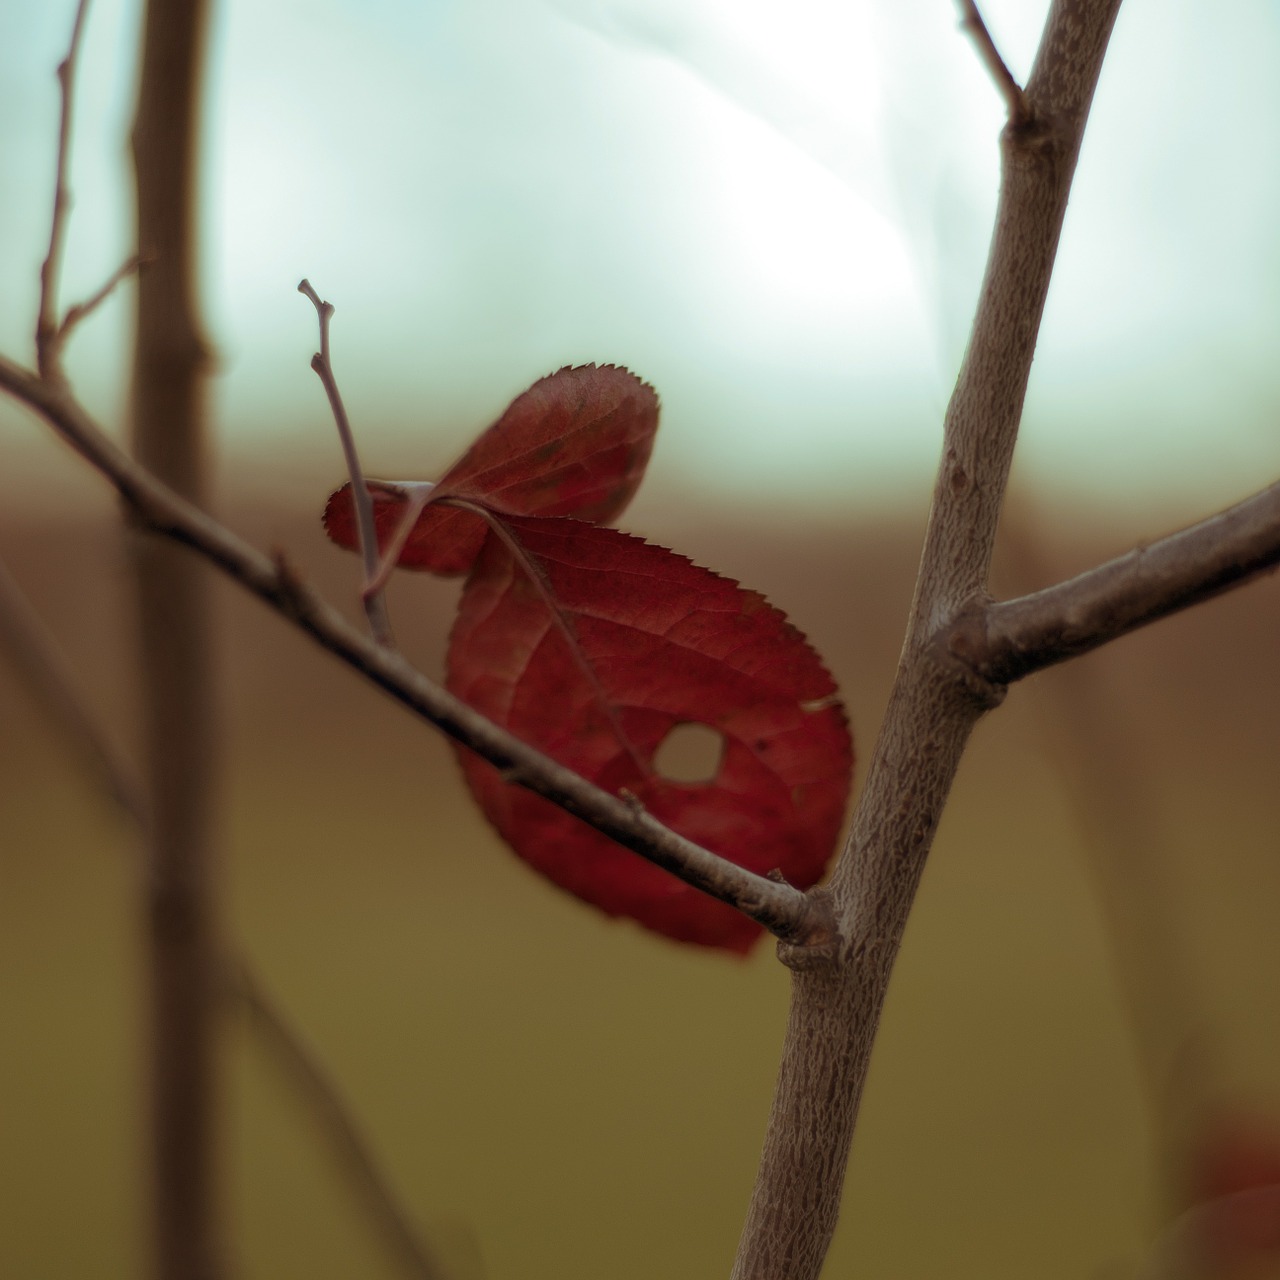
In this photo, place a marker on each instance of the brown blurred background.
(554, 1093)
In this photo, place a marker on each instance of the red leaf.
(595, 646)
(575, 444)
(639, 641)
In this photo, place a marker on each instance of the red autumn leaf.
(575, 444)
(593, 646)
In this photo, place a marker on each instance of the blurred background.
(778, 215)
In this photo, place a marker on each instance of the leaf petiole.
(419, 493)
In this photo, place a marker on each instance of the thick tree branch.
(838, 995)
(47, 676)
(1004, 642)
(780, 908)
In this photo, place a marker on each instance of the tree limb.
(783, 910)
(1007, 641)
(837, 995)
(45, 673)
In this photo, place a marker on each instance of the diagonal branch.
(323, 1098)
(46, 674)
(783, 910)
(375, 601)
(1004, 642)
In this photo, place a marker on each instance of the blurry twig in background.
(1127, 854)
(1219, 1180)
(47, 676)
(309, 1080)
(44, 672)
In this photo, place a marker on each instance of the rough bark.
(839, 991)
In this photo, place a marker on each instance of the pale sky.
(777, 213)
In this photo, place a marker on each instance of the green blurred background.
(778, 216)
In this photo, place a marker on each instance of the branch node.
(82, 310)
(1016, 102)
(292, 592)
(817, 944)
(962, 648)
(632, 801)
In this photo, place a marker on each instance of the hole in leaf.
(690, 753)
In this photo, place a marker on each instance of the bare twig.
(783, 910)
(1126, 848)
(1004, 642)
(375, 602)
(418, 493)
(47, 675)
(82, 310)
(48, 333)
(324, 1099)
(971, 20)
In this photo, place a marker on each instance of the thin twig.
(785, 911)
(48, 336)
(419, 494)
(375, 604)
(971, 20)
(47, 676)
(82, 310)
(324, 1098)
(1004, 642)
(1126, 846)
